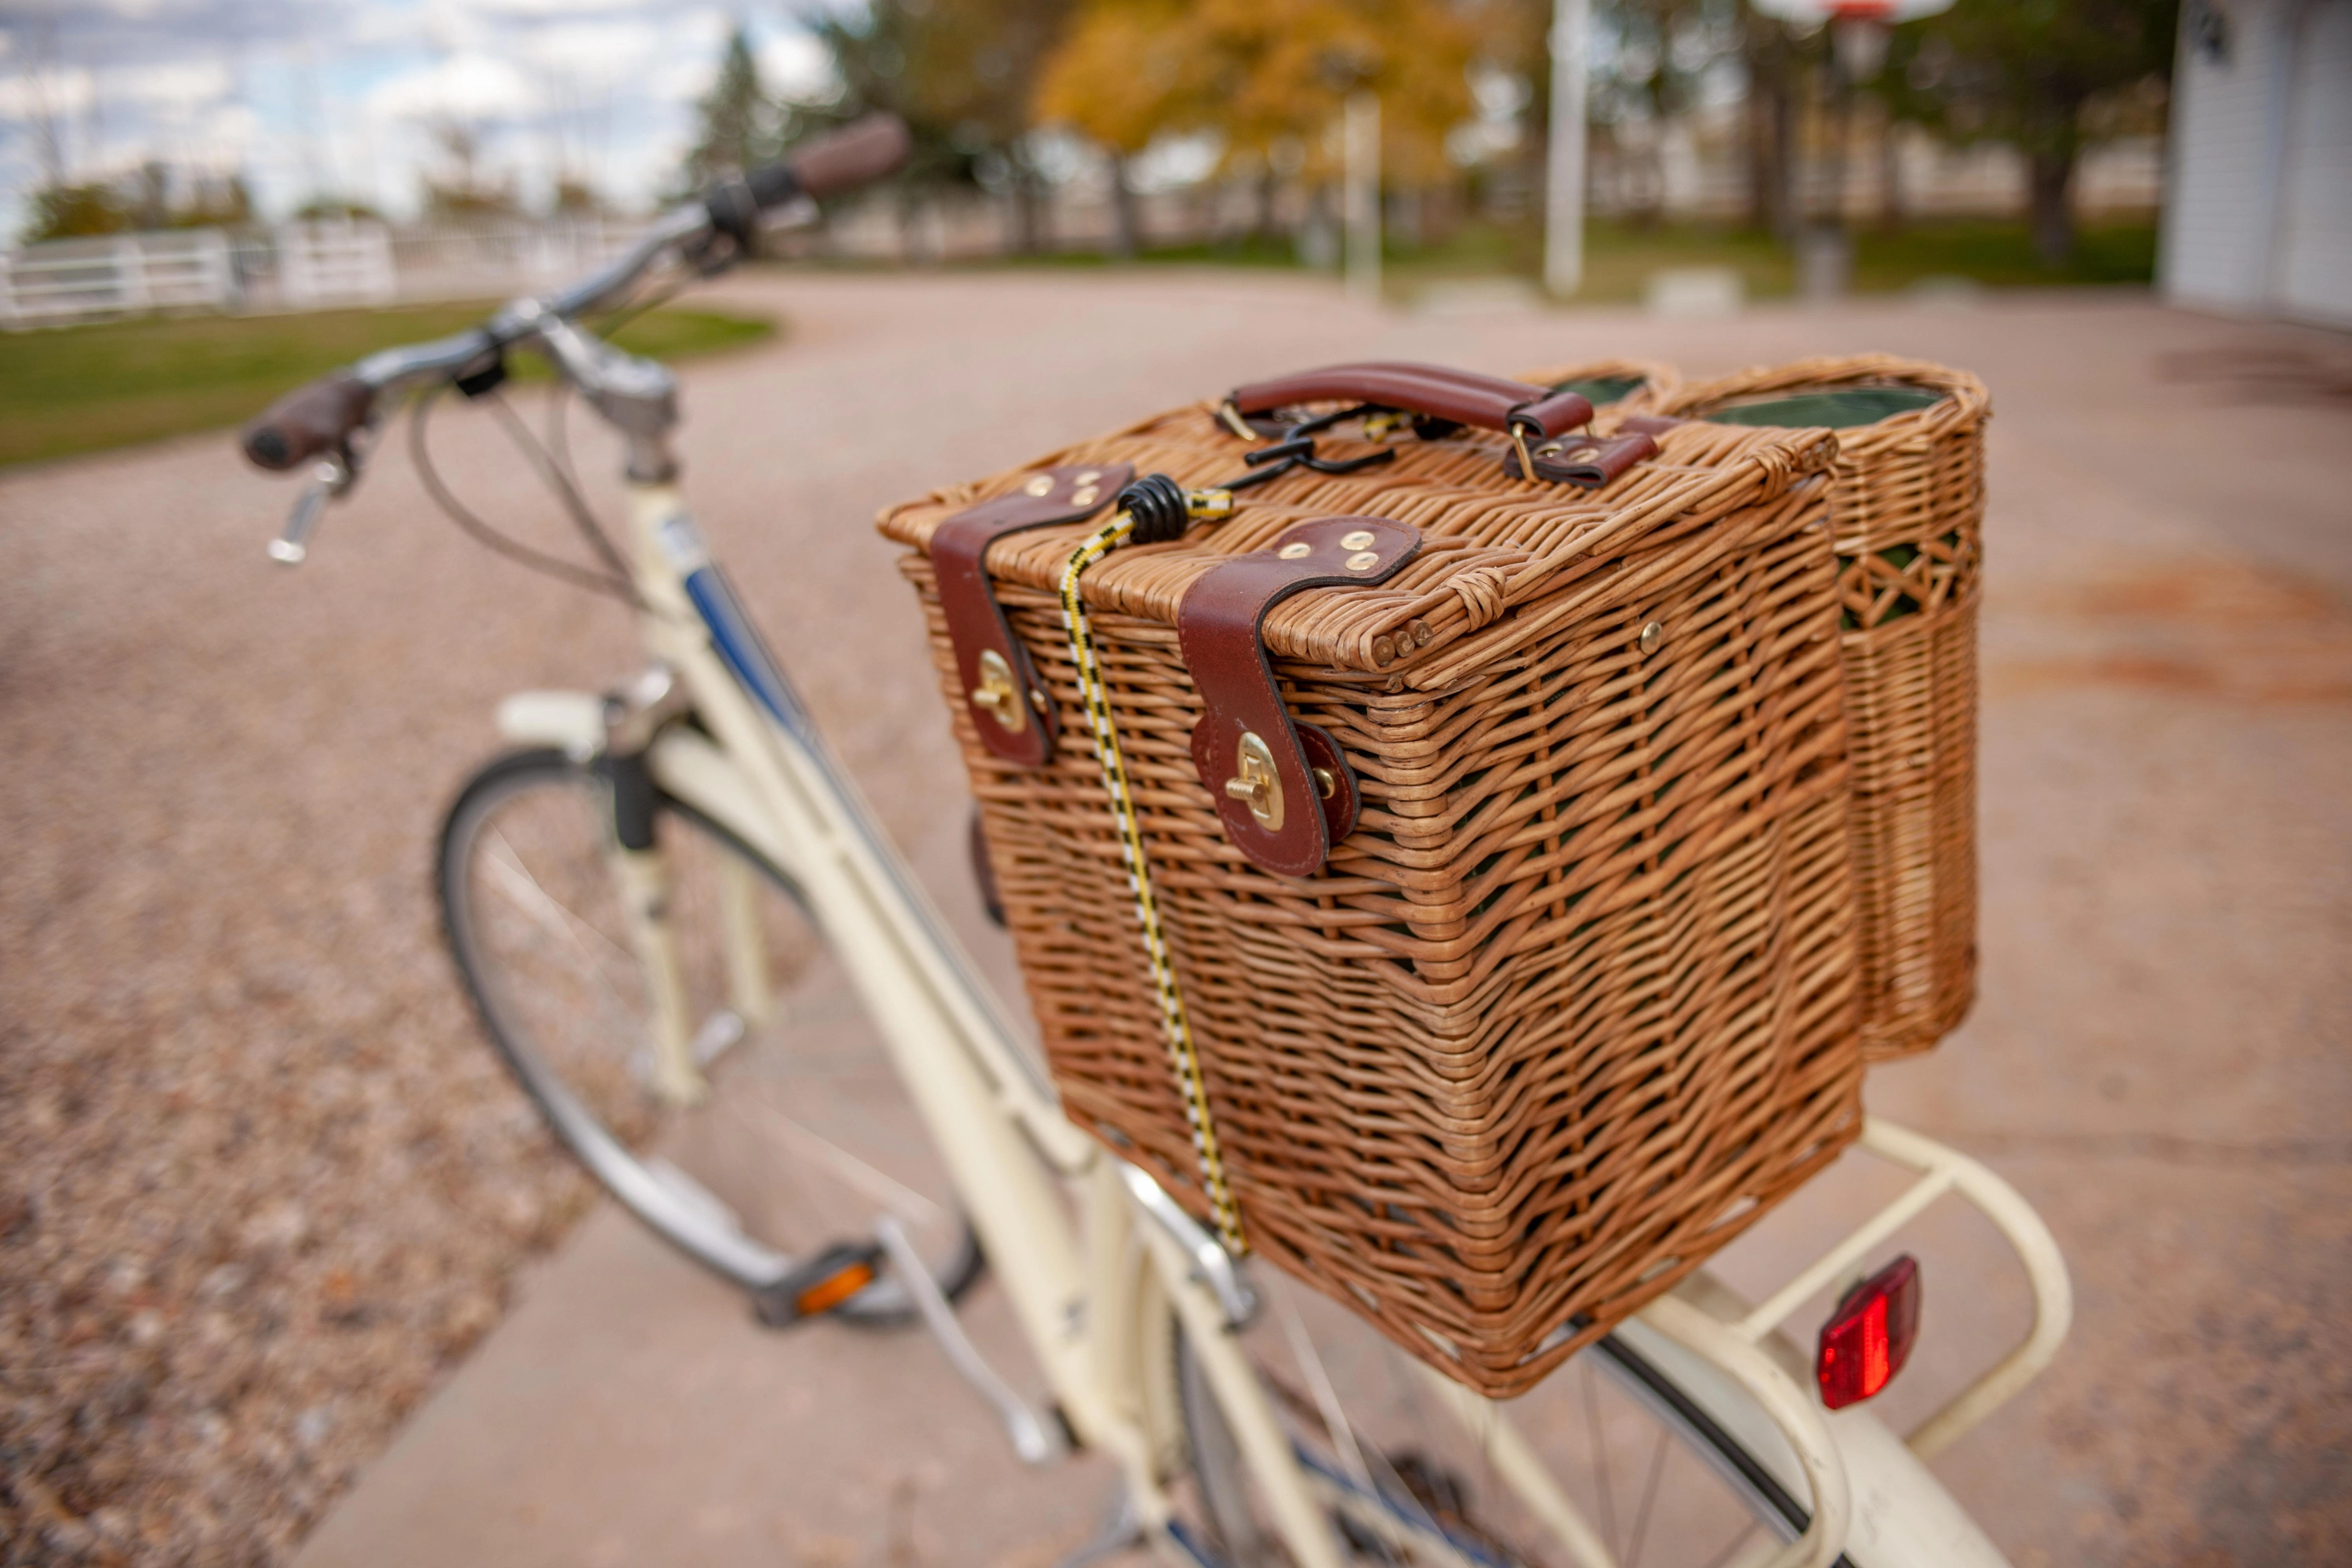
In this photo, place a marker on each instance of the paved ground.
(2159, 1059)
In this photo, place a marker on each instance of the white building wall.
(2260, 212)
(2313, 275)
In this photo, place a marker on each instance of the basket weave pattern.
(1575, 1001)
(1906, 515)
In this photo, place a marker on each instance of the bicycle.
(708, 968)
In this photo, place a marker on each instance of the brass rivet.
(1361, 538)
(1363, 560)
(1549, 449)
(1298, 548)
(1090, 476)
(1084, 497)
(1039, 701)
(1042, 485)
(1327, 783)
(1652, 635)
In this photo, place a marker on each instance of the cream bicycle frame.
(1090, 1256)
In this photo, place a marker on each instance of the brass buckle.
(1257, 783)
(997, 696)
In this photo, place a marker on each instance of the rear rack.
(1705, 1320)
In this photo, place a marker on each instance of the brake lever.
(329, 480)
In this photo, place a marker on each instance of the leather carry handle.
(1523, 412)
(1283, 792)
(1011, 709)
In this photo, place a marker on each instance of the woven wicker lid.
(1490, 544)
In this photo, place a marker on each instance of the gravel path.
(263, 1187)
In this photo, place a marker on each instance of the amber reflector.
(835, 1289)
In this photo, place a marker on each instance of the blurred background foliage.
(1953, 151)
(1006, 94)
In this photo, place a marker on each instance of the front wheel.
(677, 1017)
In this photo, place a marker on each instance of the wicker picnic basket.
(1906, 515)
(1565, 1000)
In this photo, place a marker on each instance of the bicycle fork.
(644, 880)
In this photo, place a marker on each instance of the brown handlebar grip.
(858, 154)
(1488, 402)
(308, 421)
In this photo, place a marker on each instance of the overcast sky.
(336, 96)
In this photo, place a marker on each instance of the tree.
(1264, 75)
(1124, 74)
(963, 75)
(2033, 73)
(738, 127)
(75, 211)
(461, 189)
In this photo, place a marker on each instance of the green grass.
(1620, 257)
(81, 389)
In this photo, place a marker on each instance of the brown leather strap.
(1590, 461)
(1010, 706)
(1258, 762)
(1487, 401)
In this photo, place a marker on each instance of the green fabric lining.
(1599, 390)
(1841, 409)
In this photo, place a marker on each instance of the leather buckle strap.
(1011, 708)
(1283, 792)
(1586, 461)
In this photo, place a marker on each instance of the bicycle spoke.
(1649, 1496)
(554, 919)
(1600, 1457)
(901, 1200)
(1734, 1544)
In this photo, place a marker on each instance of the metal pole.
(1564, 164)
(1362, 198)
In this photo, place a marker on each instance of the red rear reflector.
(1869, 1337)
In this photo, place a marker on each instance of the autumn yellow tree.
(1263, 74)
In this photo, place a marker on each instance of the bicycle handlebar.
(310, 421)
(321, 417)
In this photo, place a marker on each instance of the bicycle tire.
(675, 1205)
(1401, 1507)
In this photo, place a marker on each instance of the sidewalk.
(2159, 1059)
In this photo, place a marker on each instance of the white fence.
(296, 266)
(337, 262)
(117, 275)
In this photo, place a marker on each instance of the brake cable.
(489, 538)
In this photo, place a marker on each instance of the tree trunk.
(2052, 182)
(1771, 131)
(1890, 175)
(1025, 224)
(2053, 140)
(1269, 191)
(1124, 236)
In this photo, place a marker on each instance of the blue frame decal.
(739, 645)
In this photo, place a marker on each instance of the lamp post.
(1571, 24)
(1858, 38)
(1360, 192)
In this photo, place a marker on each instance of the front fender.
(571, 721)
